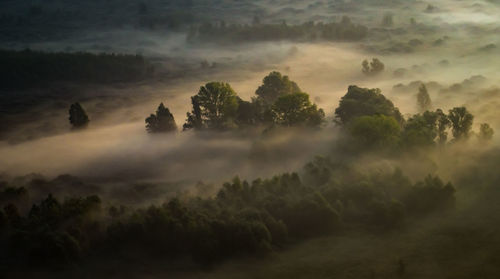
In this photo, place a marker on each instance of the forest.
(249, 139)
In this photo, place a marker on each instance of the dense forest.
(29, 68)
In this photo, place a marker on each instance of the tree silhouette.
(363, 101)
(423, 99)
(161, 122)
(77, 116)
(461, 122)
(486, 132)
(214, 107)
(194, 120)
(274, 86)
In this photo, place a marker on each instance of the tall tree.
(443, 123)
(423, 99)
(194, 120)
(461, 122)
(77, 116)
(162, 121)
(214, 107)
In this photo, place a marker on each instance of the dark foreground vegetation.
(243, 218)
(29, 68)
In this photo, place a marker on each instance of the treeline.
(368, 119)
(345, 30)
(372, 121)
(29, 68)
(242, 219)
(277, 102)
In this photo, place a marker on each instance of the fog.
(450, 46)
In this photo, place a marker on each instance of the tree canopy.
(214, 107)
(162, 121)
(375, 131)
(365, 102)
(296, 109)
(274, 86)
(461, 122)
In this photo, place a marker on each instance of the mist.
(234, 177)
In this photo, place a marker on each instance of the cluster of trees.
(28, 68)
(243, 218)
(374, 121)
(345, 30)
(278, 101)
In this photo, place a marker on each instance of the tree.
(248, 113)
(423, 99)
(372, 68)
(77, 116)
(194, 120)
(375, 131)
(420, 130)
(296, 109)
(275, 85)
(461, 122)
(162, 121)
(363, 101)
(214, 107)
(443, 123)
(486, 132)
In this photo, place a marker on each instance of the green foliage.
(420, 130)
(443, 123)
(461, 122)
(194, 120)
(242, 219)
(375, 131)
(296, 109)
(279, 101)
(274, 86)
(214, 107)
(77, 116)
(364, 102)
(162, 121)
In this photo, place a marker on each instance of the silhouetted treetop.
(77, 116)
(214, 107)
(363, 101)
(162, 121)
(274, 86)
